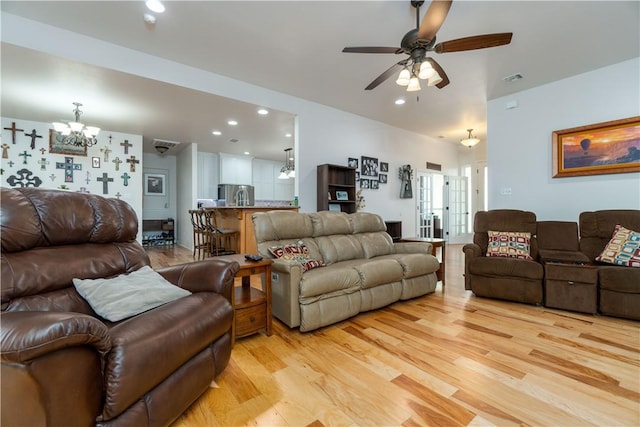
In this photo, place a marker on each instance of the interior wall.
(519, 152)
(154, 163)
(187, 182)
(323, 134)
(44, 165)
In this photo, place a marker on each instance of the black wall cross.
(13, 130)
(24, 155)
(105, 182)
(68, 167)
(33, 136)
(126, 146)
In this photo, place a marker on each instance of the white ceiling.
(294, 47)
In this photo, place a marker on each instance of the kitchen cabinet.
(266, 182)
(235, 169)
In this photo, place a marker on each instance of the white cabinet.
(266, 182)
(207, 176)
(235, 169)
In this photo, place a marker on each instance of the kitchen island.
(239, 218)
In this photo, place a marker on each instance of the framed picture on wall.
(382, 178)
(601, 148)
(155, 184)
(369, 166)
(384, 167)
(56, 146)
(352, 162)
(95, 162)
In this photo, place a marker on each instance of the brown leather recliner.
(63, 365)
(619, 286)
(497, 277)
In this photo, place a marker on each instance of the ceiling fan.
(421, 40)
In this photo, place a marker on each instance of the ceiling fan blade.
(372, 49)
(474, 42)
(443, 75)
(433, 19)
(384, 76)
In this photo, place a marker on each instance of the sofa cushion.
(326, 223)
(511, 244)
(297, 252)
(376, 243)
(126, 295)
(339, 248)
(366, 222)
(341, 277)
(379, 272)
(417, 264)
(506, 267)
(623, 248)
(619, 279)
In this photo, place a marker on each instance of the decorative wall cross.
(126, 146)
(5, 151)
(117, 161)
(43, 150)
(105, 182)
(118, 195)
(13, 130)
(125, 177)
(68, 167)
(24, 155)
(24, 178)
(11, 163)
(88, 178)
(83, 190)
(132, 163)
(53, 177)
(33, 136)
(43, 162)
(106, 152)
(110, 137)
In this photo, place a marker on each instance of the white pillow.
(128, 294)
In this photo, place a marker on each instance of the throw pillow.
(622, 249)
(297, 252)
(128, 294)
(511, 244)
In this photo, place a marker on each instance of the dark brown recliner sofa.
(63, 365)
(503, 278)
(619, 286)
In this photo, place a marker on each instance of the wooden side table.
(435, 243)
(251, 306)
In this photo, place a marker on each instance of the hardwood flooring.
(445, 359)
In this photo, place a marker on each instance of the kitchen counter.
(239, 218)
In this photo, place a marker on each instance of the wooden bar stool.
(224, 240)
(201, 242)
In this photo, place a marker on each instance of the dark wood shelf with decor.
(394, 228)
(336, 188)
(158, 232)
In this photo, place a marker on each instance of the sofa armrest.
(27, 335)
(412, 247)
(285, 291)
(209, 275)
(471, 250)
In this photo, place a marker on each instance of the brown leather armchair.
(503, 278)
(63, 365)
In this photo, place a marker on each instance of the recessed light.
(216, 133)
(155, 5)
(263, 112)
(232, 123)
(288, 135)
(246, 153)
(400, 101)
(149, 18)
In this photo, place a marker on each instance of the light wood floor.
(445, 359)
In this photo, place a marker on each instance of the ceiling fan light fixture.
(426, 71)
(470, 140)
(414, 84)
(404, 77)
(434, 80)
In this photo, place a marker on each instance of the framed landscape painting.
(601, 148)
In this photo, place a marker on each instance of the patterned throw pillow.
(297, 252)
(511, 244)
(622, 249)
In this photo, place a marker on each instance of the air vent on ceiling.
(512, 78)
(233, 140)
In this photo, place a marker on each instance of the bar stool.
(224, 240)
(201, 242)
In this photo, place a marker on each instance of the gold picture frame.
(597, 149)
(57, 147)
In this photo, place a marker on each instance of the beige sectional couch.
(363, 270)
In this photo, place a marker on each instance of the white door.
(457, 220)
(156, 205)
(430, 208)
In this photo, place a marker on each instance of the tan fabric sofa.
(364, 269)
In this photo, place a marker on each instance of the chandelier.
(417, 68)
(75, 133)
(470, 140)
(288, 170)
